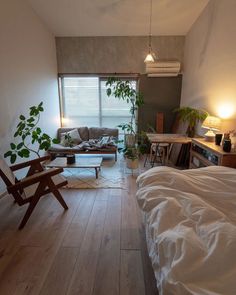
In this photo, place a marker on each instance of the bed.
(190, 218)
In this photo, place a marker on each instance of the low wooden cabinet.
(203, 153)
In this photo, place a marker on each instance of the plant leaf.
(13, 146)
(55, 140)
(13, 158)
(30, 120)
(8, 154)
(38, 130)
(20, 145)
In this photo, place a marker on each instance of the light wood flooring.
(97, 247)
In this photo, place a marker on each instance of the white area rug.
(110, 176)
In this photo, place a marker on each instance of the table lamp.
(213, 124)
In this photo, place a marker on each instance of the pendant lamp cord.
(150, 26)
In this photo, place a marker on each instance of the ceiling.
(117, 17)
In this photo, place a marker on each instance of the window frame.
(101, 77)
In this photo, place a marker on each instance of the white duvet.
(191, 228)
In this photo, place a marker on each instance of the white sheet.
(191, 228)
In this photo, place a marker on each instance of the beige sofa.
(87, 135)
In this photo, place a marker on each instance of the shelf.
(205, 153)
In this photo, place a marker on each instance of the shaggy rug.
(110, 176)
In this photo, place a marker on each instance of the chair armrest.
(29, 163)
(27, 181)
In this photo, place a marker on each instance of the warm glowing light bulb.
(149, 58)
(225, 111)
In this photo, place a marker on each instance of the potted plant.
(124, 90)
(192, 117)
(132, 157)
(29, 137)
(132, 153)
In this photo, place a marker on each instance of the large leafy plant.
(124, 90)
(29, 138)
(131, 153)
(192, 117)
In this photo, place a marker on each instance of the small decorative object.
(226, 137)
(218, 138)
(227, 145)
(70, 159)
(213, 124)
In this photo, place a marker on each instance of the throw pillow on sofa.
(106, 141)
(71, 138)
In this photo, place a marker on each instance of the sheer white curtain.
(85, 103)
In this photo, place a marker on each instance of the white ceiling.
(117, 17)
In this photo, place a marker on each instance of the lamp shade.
(212, 123)
(149, 58)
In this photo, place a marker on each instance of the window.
(80, 101)
(85, 103)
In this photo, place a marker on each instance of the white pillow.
(75, 137)
(104, 140)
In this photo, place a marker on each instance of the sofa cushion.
(97, 132)
(63, 149)
(74, 138)
(83, 132)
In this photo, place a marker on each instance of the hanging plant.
(29, 137)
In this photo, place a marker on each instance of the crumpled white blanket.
(191, 228)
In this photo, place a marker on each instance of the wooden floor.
(96, 247)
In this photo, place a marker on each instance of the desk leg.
(167, 154)
(164, 156)
(96, 172)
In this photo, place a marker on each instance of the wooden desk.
(169, 139)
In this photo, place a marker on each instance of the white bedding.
(191, 228)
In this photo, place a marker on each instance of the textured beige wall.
(113, 54)
(28, 69)
(209, 79)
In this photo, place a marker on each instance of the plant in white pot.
(132, 157)
(124, 90)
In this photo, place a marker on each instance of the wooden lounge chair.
(37, 183)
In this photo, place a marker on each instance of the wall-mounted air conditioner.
(163, 69)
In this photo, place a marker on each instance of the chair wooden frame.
(36, 174)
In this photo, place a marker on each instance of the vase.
(70, 159)
(227, 145)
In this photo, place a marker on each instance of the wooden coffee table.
(80, 162)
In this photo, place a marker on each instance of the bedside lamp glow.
(213, 124)
(225, 111)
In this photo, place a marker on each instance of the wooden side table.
(205, 153)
